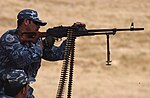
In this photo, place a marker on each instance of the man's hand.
(79, 24)
(48, 42)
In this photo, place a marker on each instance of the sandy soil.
(129, 75)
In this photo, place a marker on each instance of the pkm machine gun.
(71, 33)
(61, 31)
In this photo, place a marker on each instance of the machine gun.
(61, 31)
(71, 32)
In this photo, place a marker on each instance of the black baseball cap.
(15, 80)
(30, 14)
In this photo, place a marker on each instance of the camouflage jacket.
(13, 54)
(5, 96)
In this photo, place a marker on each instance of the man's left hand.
(79, 24)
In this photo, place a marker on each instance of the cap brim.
(40, 22)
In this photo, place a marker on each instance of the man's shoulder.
(9, 36)
(12, 31)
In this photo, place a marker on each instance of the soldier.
(16, 83)
(28, 55)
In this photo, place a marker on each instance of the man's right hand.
(48, 42)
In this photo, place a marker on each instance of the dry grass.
(129, 75)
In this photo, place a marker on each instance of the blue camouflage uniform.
(15, 81)
(27, 56)
(5, 96)
(13, 54)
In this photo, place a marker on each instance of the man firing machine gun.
(72, 32)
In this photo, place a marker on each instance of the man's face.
(32, 26)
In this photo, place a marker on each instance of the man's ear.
(25, 90)
(26, 21)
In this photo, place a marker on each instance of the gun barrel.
(93, 34)
(114, 29)
(135, 29)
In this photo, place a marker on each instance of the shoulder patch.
(9, 38)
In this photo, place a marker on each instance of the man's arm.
(55, 53)
(21, 54)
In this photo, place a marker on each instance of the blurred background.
(129, 74)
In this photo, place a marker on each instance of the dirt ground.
(129, 74)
